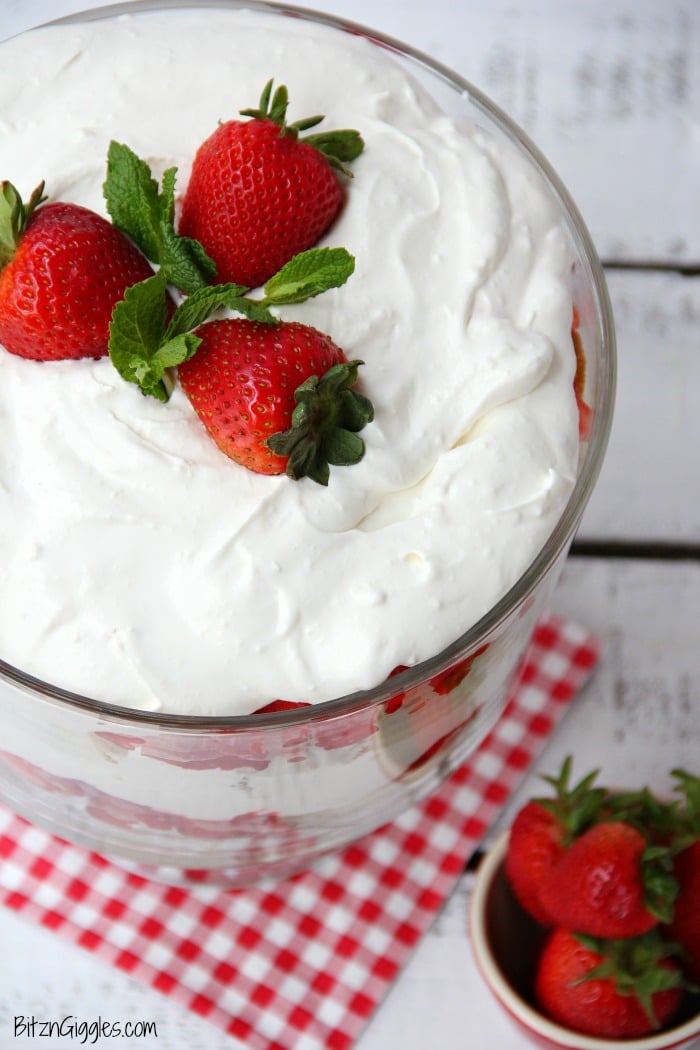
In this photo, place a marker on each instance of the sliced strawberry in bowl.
(585, 412)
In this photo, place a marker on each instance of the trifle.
(209, 666)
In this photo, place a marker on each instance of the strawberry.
(446, 681)
(610, 989)
(685, 923)
(534, 845)
(276, 397)
(610, 883)
(259, 193)
(585, 413)
(395, 703)
(542, 830)
(280, 705)
(62, 270)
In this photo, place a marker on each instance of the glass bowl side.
(251, 796)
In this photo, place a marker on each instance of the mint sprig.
(146, 214)
(308, 274)
(137, 347)
(144, 346)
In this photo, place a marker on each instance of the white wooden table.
(610, 90)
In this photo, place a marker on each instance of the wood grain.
(610, 92)
(649, 487)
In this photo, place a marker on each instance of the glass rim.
(588, 472)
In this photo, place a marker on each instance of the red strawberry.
(449, 680)
(259, 194)
(609, 883)
(395, 702)
(280, 705)
(685, 925)
(276, 396)
(62, 270)
(540, 833)
(585, 413)
(535, 844)
(613, 989)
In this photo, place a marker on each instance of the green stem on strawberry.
(660, 885)
(324, 425)
(635, 964)
(577, 807)
(144, 346)
(338, 147)
(657, 819)
(14, 216)
(146, 215)
(688, 822)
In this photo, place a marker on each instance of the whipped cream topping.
(138, 564)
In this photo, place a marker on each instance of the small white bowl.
(505, 942)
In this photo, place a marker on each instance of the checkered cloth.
(304, 963)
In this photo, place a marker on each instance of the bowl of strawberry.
(584, 917)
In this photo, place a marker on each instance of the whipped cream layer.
(138, 564)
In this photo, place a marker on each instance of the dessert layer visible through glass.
(260, 794)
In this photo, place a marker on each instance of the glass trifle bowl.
(201, 791)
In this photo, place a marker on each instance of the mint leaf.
(184, 261)
(167, 199)
(132, 199)
(137, 206)
(307, 275)
(139, 318)
(136, 335)
(255, 310)
(202, 303)
(173, 352)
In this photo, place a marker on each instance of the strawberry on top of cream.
(138, 564)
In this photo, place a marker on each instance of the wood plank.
(649, 487)
(609, 90)
(638, 716)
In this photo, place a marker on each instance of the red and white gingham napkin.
(302, 964)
